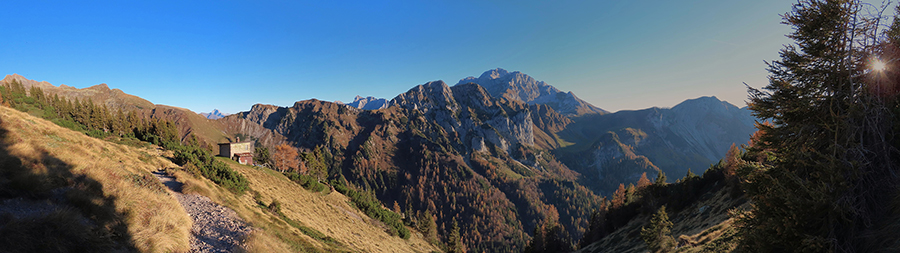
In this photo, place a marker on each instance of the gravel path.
(216, 228)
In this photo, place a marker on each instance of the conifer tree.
(549, 237)
(660, 179)
(619, 197)
(819, 184)
(643, 181)
(631, 195)
(428, 226)
(454, 240)
(658, 234)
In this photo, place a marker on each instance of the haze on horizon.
(229, 55)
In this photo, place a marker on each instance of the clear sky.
(230, 55)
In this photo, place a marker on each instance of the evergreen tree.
(631, 195)
(261, 155)
(658, 234)
(660, 179)
(549, 237)
(454, 240)
(428, 226)
(822, 177)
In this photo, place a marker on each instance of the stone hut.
(242, 152)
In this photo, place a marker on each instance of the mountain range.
(501, 154)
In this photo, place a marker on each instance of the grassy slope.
(153, 219)
(204, 128)
(695, 231)
(328, 212)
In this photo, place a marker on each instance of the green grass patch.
(308, 182)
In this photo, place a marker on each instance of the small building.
(242, 152)
(243, 158)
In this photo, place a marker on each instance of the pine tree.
(261, 155)
(428, 226)
(819, 182)
(631, 195)
(454, 240)
(549, 237)
(658, 234)
(660, 179)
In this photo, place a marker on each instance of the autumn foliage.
(286, 158)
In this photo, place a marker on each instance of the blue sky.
(229, 55)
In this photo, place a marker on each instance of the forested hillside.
(445, 156)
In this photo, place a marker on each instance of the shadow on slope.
(45, 207)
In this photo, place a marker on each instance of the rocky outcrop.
(613, 158)
(473, 114)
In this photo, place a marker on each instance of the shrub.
(308, 182)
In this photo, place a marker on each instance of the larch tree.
(643, 181)
(286, 158)
(618, 199)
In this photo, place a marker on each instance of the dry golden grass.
(264, 242)
(695, 231)
(329, 213)
(155, 221)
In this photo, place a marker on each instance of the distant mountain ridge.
(691, 135)
(521, 87)
(369, 103)
(188, 122)
(215, 114)
(100, 93)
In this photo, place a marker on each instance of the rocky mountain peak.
(100, 87)
(434, 94)
(25, 81)
(369, 103)
(495, 73)
(215, 114)
(517, 86)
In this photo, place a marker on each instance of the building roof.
(243, 154)
(226, 143)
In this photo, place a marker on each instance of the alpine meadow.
(704, 145)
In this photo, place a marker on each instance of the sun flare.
(878, 65)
